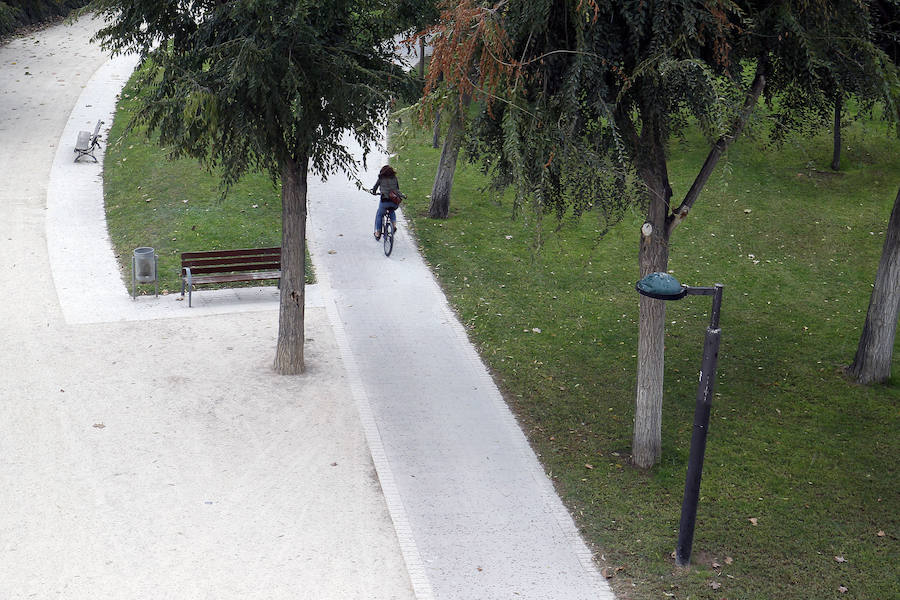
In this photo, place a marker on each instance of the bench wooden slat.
(84, 141)
(224, 253)
(237, 261)
(231, 268)
(254, 276)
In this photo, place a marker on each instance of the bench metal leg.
(189, 280)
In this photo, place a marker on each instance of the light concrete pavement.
(484, 518)
(147, 450)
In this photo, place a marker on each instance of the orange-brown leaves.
(470, 42)
(720, 44)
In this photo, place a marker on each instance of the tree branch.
(719, 148)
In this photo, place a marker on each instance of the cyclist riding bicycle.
(387, 181)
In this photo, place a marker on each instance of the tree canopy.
(244, 85)
(582, 98)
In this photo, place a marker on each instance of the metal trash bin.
(143, 269)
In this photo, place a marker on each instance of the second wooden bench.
(226, 266)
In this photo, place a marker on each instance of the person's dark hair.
(387, 171)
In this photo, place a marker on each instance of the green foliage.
(248, 86)
(843, 66)
(600, 83)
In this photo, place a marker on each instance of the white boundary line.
(414, 566)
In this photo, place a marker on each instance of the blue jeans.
(383, 206)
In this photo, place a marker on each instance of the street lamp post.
(663, 286)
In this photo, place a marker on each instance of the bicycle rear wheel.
(388, 237)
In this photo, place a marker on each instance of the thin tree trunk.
(443, 179)
(289, 351)
(422, 57)
(836, 156)
(436, 132)
(653, 256)
(872, 363)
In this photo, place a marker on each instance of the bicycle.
(387, 226)
(387, 231)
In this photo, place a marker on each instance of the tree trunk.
(653, 256)
(836, 156)
(443, 179)
(289, 352)
(872, 363)
(436, 132)
(422, 58)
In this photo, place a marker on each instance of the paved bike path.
(484, 519)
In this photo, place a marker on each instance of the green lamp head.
(661, 286)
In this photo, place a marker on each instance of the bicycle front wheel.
(388, 237)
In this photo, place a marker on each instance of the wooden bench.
(88, 142)
(226, 266)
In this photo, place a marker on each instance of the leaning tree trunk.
(289, 352)
(836, 155)
(872, 363)
(443, 179)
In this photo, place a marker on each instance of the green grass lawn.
(175, 206)
(800, 494)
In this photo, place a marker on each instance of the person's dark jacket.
(386, 184)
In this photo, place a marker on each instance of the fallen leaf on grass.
(715, 585)
(753, 521)
(728, 560)
(587, 466)
(842, 589)
(840, 559)
(880, 533)
(610, 573)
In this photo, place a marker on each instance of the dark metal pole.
(701, 426)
